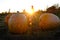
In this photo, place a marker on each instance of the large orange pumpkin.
(48, 21)
(7, 18)
(18, 23)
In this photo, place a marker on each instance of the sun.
(30, 10)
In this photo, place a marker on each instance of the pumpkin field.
(26, 24)
(34, 32)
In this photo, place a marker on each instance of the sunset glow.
(19, 5)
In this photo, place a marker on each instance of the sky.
(19, 5)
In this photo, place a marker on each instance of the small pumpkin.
(7, 18)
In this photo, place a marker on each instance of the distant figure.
(9, 11)
(17, 11)
(32, 7)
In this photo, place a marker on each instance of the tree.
(51, 9)
(57, 12)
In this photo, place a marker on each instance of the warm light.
(18, 5)
(30, 12)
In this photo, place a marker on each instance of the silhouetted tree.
(55, 9)
(57, 12)
(51, 9)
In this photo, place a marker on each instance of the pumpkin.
(48, 21)
(18, 23)
(7, 18)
